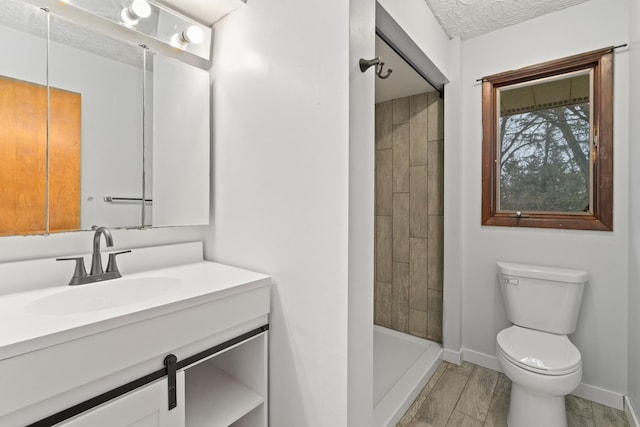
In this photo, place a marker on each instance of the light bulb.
(138, 9)
(193, 35)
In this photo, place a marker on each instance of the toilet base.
(530, 409)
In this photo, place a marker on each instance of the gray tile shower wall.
(409, 215)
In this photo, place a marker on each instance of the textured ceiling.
(471, 18)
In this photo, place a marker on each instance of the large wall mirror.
(96, 131)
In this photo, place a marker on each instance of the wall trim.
(586, 391)
(481, 359)
(600, 395)
(452, 356)
(630, 412)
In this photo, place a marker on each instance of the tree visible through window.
(544, 156)
(547, 149)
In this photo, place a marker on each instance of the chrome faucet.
(80, 276)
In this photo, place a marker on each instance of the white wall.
(18, 248)
(602, 331)
(453, 153)
(634, 208)
(281, 190)
(293, 189)
(361, 215)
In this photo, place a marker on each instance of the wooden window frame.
(601, 215)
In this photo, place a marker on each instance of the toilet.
(535, 353)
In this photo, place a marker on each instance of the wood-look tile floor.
(472, 396)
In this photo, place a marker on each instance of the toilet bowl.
(535, 353)
(543, 368)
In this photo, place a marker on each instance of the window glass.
(544, 135)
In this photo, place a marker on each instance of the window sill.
(565, 222)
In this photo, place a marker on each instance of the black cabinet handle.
(171, 362)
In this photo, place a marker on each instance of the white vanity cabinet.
(227, 389)
(145, 407)
(107, 354)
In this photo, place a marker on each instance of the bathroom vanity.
(183, 345)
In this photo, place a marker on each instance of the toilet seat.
(540, 352)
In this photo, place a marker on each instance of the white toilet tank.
(542, 298)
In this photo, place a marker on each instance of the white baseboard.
(630, 413)
(586, 391)
(452, 356)
(481, 359)
(600, 395)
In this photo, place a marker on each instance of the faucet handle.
(80, 271)
(112, 266)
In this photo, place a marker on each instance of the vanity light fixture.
(138, 9)
(150, 22)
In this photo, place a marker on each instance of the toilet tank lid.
(543, 273)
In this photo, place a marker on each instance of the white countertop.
(30, 320)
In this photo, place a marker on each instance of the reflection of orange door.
(23, 150)
(64, 161)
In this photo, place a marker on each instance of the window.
(547, 149)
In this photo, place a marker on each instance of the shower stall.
(409, 222)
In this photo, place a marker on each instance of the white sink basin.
(103, 295)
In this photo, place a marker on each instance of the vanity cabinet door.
(144, 407)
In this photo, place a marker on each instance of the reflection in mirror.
(103, 80)
(112, 138)
(23, 121)
(117, 138)
(178, 105)
(544, 133)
